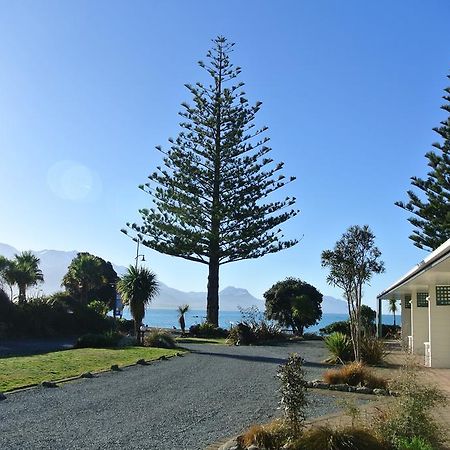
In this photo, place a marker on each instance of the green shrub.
(104, 340)
(326, 438)
(99, 307)
(408, 415)
(340, 347)
(354, 374)
(413, 444)
(242, 334)
(373, 351)
(207, 330)
(312, 337)
(342, 326)
(293, 391)
(160, 339)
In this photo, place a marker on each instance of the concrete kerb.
(55, 383)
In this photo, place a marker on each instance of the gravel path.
(185, 403)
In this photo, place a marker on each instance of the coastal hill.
(54, 265)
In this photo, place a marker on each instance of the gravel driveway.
(185, 403)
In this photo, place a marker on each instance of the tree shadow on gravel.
(256, 358)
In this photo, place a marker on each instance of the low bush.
(373, 351)
(342, 326)
(390, 331)
(354, 374)
(241, 334)
(207, 330)
(104, 340)
(326, 438)
(160, 339)
(312, 337)
(340, 348)
(413, 444)
(271, 436)
(408, 415)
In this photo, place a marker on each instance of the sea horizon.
(168, 318)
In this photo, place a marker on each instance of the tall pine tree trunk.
(212, 309)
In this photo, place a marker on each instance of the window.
(422, 299)
(442, 295)
(407, 300)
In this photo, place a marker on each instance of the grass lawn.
(17, 371)
(193, 340)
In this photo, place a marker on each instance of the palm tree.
(5, 272)
(393, 308)
(138, 287)
(83, 274)
(25, 272)
(182, 310)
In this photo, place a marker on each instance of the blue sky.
(350, 90)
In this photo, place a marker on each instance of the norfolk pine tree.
(431, 211)
(209, 196)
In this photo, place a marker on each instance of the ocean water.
(168, 318)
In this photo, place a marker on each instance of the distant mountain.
(332, 305)
(54, 264)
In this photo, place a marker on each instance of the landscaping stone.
(115, 367)
(380, 391)
(339, 387)
(141, 362)
(320, 385)
(163, 358)
(87, 375)
(2, 396)
(49, 384)
(364, 390)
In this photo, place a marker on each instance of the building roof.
(435, 268)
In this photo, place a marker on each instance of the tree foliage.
(210, 196)
(430, 203)
(294, 303)
(23, 270)
(90, 277)
(352, 263)
(137, 288)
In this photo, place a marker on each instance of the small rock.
(253, 447)
(364, 390)
(49, 384)
(310, 384)
(141, 362)
(87, 375)
(339, 387)
(380, 392)
(2, 396)
(351, 389)
(163, 358)
(180, 354)
(394, 393)
(115, 367)
(320, 385)
(316, 381)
